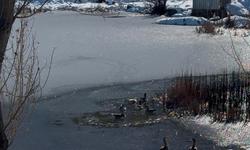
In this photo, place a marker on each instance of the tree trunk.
(165, 2)
(6, 22)
(4, 144)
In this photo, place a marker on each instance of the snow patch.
(192, 21)
(237, 8)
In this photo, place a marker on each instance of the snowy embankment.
(182, 21)
(183, 8)
(183, 15)
(224, 134)
(70, 5)
(197, 21)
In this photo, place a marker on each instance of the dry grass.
(208, 27)
(186, 95)
(229, 22)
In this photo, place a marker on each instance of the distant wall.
(206, 4)
(209, 4)
(209, 13)
(207, 8)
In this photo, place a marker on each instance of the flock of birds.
(166, 146)
(139, 106)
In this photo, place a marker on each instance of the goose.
(122, 108)
(118, 115)
(150, 110)
(144, 98)
(137, 107)
(142, 102)
(132, 100)
(166, 146)
(193, 147)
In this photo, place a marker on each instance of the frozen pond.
(93, 52)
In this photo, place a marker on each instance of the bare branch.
(21, 8)
(27, 16)
(51, 58)
(26, 97)
(20, 79)
(235, 55)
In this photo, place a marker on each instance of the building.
(209, 8)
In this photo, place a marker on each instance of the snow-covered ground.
(224, 134)
(92, 50)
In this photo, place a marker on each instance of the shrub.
(159, 9)
(207, 27)
(229, 22)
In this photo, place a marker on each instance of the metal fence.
(209, 4)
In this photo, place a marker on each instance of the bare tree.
(236, 54)
(20, 73)
(159, 6)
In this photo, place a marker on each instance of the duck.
(118, 115)
(142, 102)
(149, 110)
(193, 147)
(132, 100)
(166, 146)
(137, 107)
(122, 108)
(143, 99)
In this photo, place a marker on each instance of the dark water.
(82, 119)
